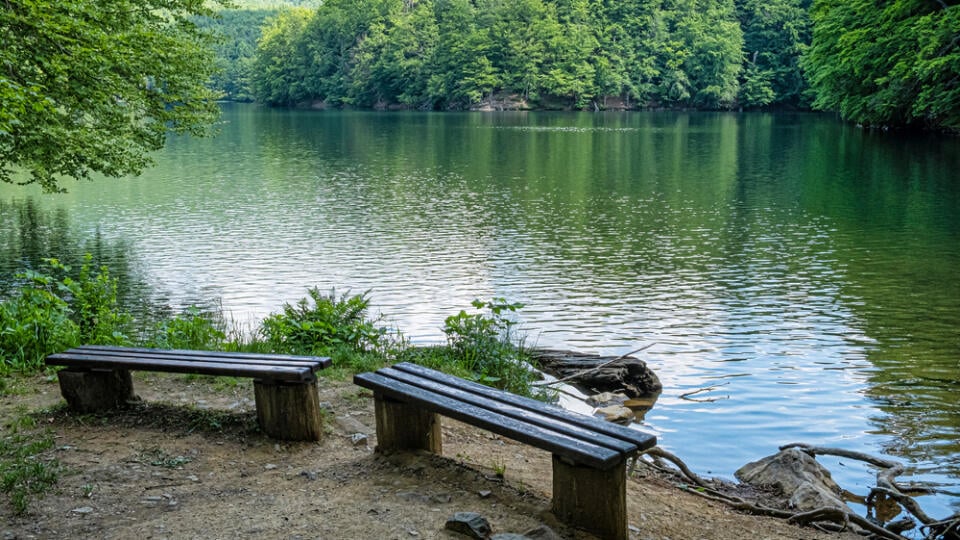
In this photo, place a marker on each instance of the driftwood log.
(595, 374)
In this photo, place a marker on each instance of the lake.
(804, 269)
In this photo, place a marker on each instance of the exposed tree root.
(831, 518)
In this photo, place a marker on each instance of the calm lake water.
(806, 269)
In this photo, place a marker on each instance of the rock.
(83, 510)
(605, 398)
(484, 493)
(350, 424)
(358, 438)
(442, 498)
(509, 536)
(470, 524)
(799, 477)
(617, 414)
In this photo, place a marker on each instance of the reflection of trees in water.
(30, 233)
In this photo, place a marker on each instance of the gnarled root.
(828, 517)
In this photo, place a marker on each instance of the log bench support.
(589, 455)
(592, 499)
(97, 378)
(88, 391)
(401, 426)
(288, 411)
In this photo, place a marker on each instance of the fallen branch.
(591, 370)
(948, 528)
(687, 395)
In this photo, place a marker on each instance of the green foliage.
(775, 33)
(486, 346)
(24, 472)
(93, 300)
(49, 314)
(278, 70)
(881, 65)
(454, 54)
(324, 322)
(90, 86)
(891, 64)
(192, 329)
(237, 32)
(35, 322)
(346, 361)
(710, 43)
(477, 337)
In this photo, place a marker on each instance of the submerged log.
(595, 373)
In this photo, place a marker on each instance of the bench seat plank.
(520, 413)
(641, 440)
(278, 373)
(209, 356)
(561, 444)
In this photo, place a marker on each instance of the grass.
(26, 469)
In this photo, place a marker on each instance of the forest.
(888, 64)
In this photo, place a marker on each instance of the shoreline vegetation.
(442, 55)
(58, 308)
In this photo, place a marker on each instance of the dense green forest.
(896, 63)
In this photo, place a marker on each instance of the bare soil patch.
(190, 463)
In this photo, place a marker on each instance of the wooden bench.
(589, 454)
(97, 378)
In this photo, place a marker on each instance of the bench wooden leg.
(405, 427)
(89, 391)
(591, 499)
(289, 412)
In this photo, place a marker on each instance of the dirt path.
(190, 463)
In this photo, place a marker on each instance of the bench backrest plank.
(642, 440)
(558, 443)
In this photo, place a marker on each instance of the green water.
(805, 267)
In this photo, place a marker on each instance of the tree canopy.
(887, 64)
(890, 64)
(449, 54)
(89, 86)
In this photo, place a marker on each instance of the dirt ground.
(190, 463)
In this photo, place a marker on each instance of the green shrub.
(487, 346)
(192, 329)
(35, 322)
(93, 301)
(323, 322)
(48, 314)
